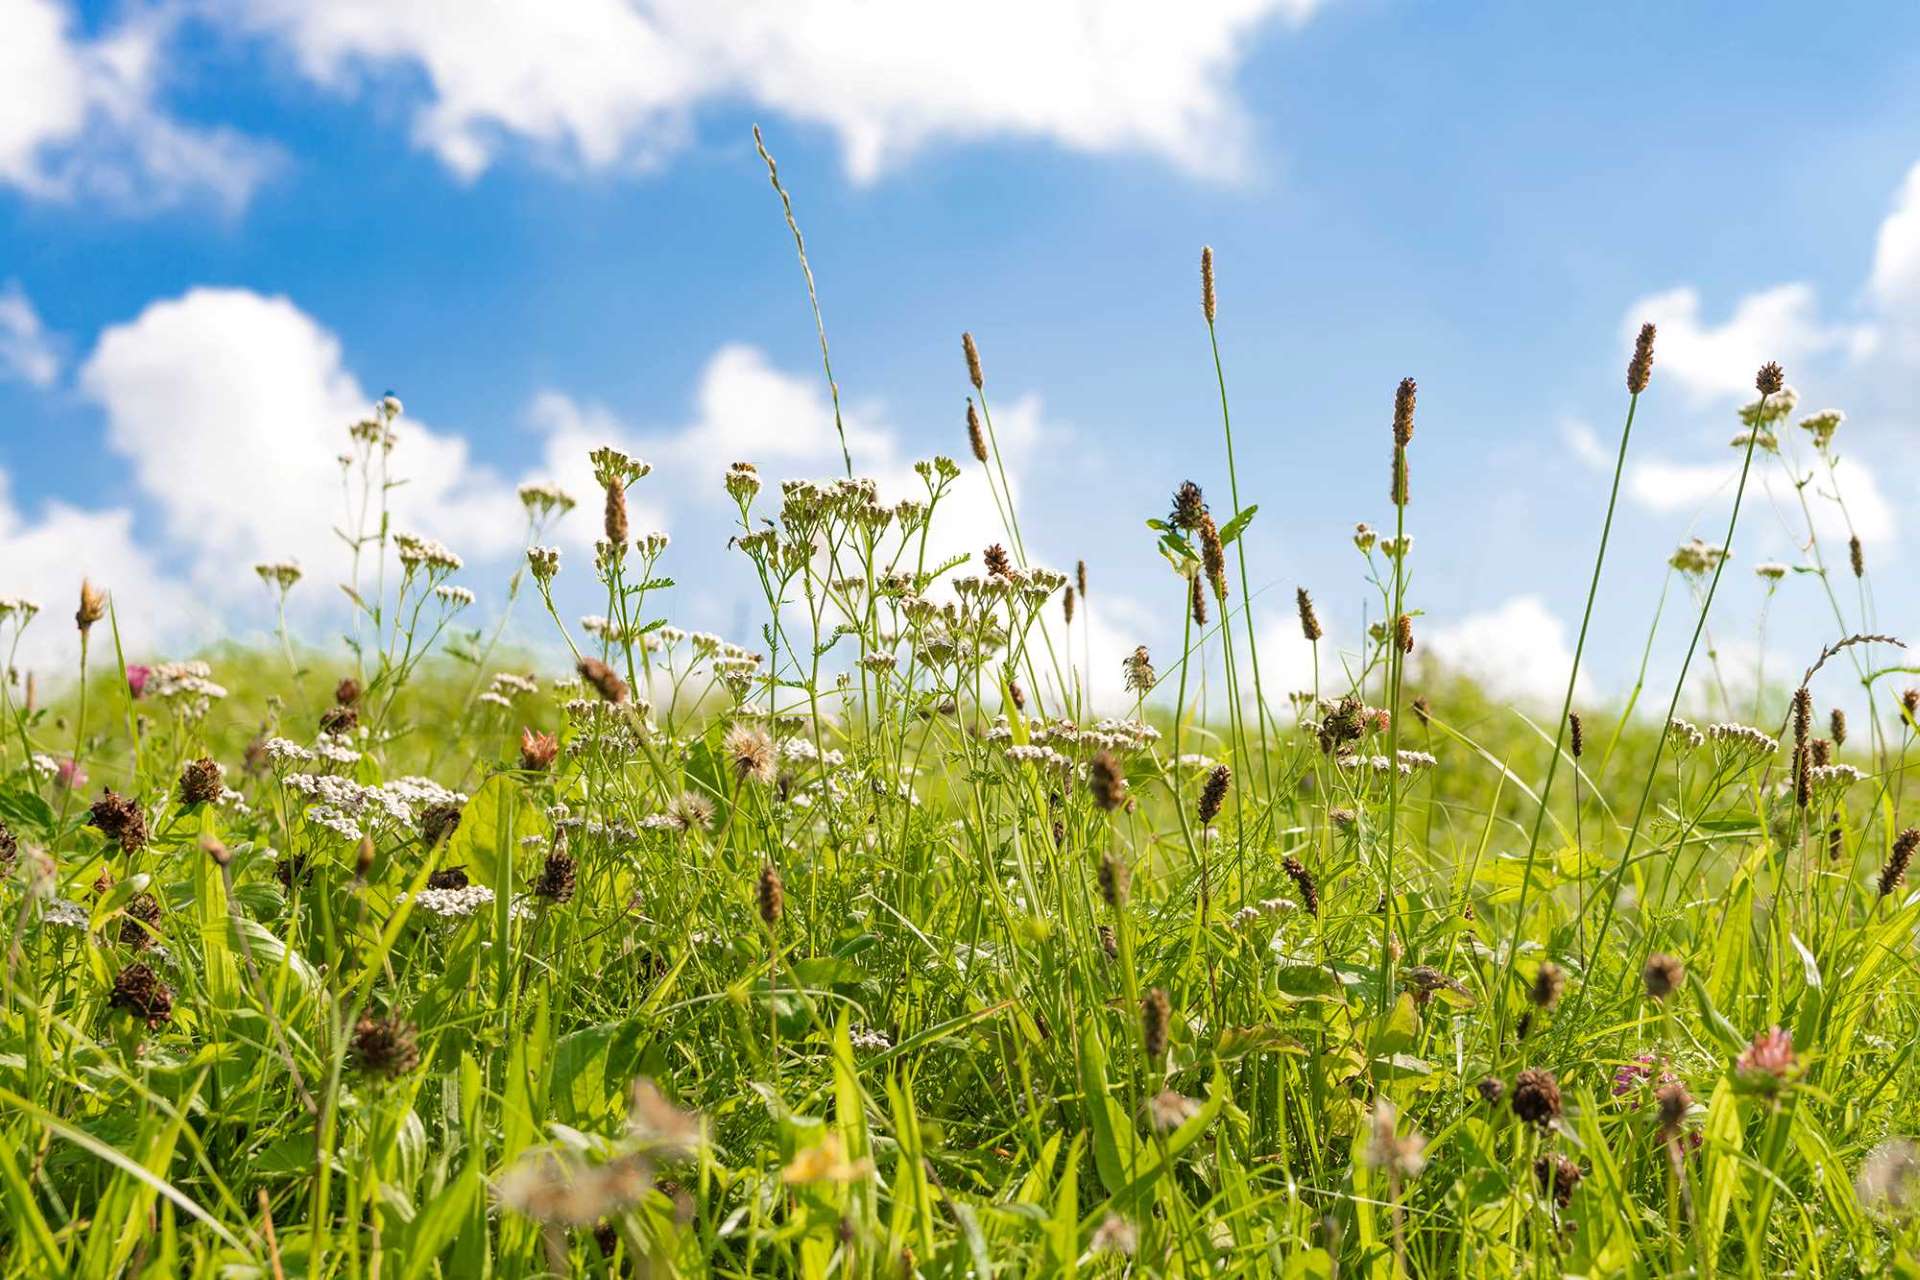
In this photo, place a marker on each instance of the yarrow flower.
(417, 552)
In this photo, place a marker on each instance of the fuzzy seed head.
(1207, 306)
(1116, 882)
(1536, 1096)
(1304, 883)
(93, 606)
(1802, 714)
(1856, 557)
(1837, 727)
(1213, 556)
(976, 437)
(1080, 577)
(1197, 600)
(751, 753)
(972, 352)
(1309, 619)
(1214, 795)
(1663, 975)
(605, 680)
(770, 895)
(1156, 1015)
(616, 515)
(387, 1047)
(1576, 734)
(1770, 379)
(1640, 368)
(1897, 860)
(1403, 632)
(1188, 506)
(1066, 605)
(1403, 412)
(1549, 980)
(1106, 781)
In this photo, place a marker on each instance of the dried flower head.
(556, 880)
(1403, 633)
(438, 821)
(1303, 882)
(449, 878)
(139, 993)
(1207, 301)
(770, 895)
(1536, 1096)
(972, 353)
(1558, 1176)
(1549, 980)
(1403, 1155)
(1856, 557)
(1671, 1103)
(615, 522)
(384, 1046)
(1214, 795)
(93, 606)
(1769, 379)
(537, 750)
(119, 818)
(1116, 879)
(750, 753)
(605, 680)
(976, 437)
(139, 921)
(1309, 619)
(1422, 709)
(1802, 714)
(1898, 859)
(1662, 975)
(1197, 600)
(1080, 577)
(1066, 605)
(997, 564)
(1491, 1089)
(201, 782)
(1106, 781)
(1156, 1014)
(1640, 368)
(1188, 506)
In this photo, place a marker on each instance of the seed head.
(438, 821)
(1549, 980)
(1397, 491)
(1303, 882)
(93, 606)
(384, 1046)
(1662, 975)
(1821, 749)
(1080, 577)
(1309, 620)
(1672, 1102)
(1106, 781)
(1403, 412)
(1206, 283)
(556, 880)
(770, 895)
(1897, 860)
(1213, 556)
(975, 436)
(1576, 734)
(973, 362)
(1910, 703)
(449, 878)
(537, 749)
(616, 514)
(1197, 600)
(1214, 794)
(998, 566)
(1188, 506)
(1156, 1013)
(1491, 1090)
(347, 692)
(1640, 368)
(1837, 726)
(1770, 379)
(363, 859)
(1066, 605)
(604, 679)
(1422, 709)
(1802, 714)
(1536, 1096)
(1856, 557)
(201, 782)
(339, 720)
(1558, 1176)
(119, 818)
(141, 919)
(751, 753)
(1802, 776)
(1403, 633)
(139, 993)
(1116, 881)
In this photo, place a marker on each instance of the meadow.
(864, 945)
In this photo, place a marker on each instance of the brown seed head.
(1662, 975)
(1856, 557)
(1066, 605)
(93, 606)
(751, 753)
(1802, 713)
(449, 878)
(1549, 980)
(1837, 726)
(201, 782)
(1206, 283)
(139, 921)
(998, 566)
(1910, 703)
(384, 1046)
(1640, 368)
(770, 895)
(1821, 750)
(1197, 600)
(1672, 1101)
(1188, 506)
(537, 750)
(1491, 1090)
(1536, 1096)
(1302, 881)
(1403, 633)
(1576, 734)
(211, 846)
(1422, 709)
(347, 692)
(1902, 854)
(1156, 1014)
(1309, 619)
(1558, 1176)
(976, 437)
(1213, 556)
(1080, 577)
(973, 362)
(1106, 781)
(119, 818)
(616, 518)
(1116, 882)
(139, 993)
(1403, 412)
(9, 849)
(339, 719)
(555, 882)
(1214, 795)
(438, 821)
(604, 679)
(363, 859)
(1770, 379)
(1802, 775)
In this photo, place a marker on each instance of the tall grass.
(867, 948)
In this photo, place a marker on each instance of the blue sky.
(223, 223)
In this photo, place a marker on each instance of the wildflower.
(1188, 506)
(93, 606)
(1557, 1175)
(1822, 425)
(278, 574)
(1769, 1063)
(384, 1046)
(537, 749)
(1685, 737)
(1206, 283)
(770, 895)
(1771, 571)
(1629, 1076)
(1740, 746)
(972, 353)
(1115, 880)
(448, 878)
(136, 679)
(610, 466)
(1491, 1089)
(453, 597)
(417, 552)
(604, 679)
(1156, 1012)
(1640, 368)
(1536, 1096)
(1662, 975)
(556, 879)
(140, 921)
(454, 903)
(826, 1161)
(1137, 669)
(1106, 781)
(1066, 606)
(1769, 380)
(996, 561)
(1214, 795)
(1576, 734)
(1114, 1235)
(1404, 1155)
(1897, 860)
(1671, 1103)
(750, 752)
(1303, 881)
(139, 993)
(542, 500)
(1364, 537)
(742, 482)
(1549, 980)
(544, 562)
(119, 818)
(1696, 558)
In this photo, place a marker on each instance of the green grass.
(827, 958)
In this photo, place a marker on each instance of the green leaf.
(1238, 525)
(26, 813)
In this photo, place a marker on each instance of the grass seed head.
(1080, 577)
(1802, 714)
(1536, 1096)
(1304, 883)
(1662, 975)
(1213, 556)
(1856, 557)
(1156, 1014)
(1066, 605)
(1770, 379)
(1403, 632)
(605, 680)
(1207, 300)
(1897, 860)
(1309, 618)
(1576, 734)
(1214, 795)
(976, 438)
(1672, 1102)
(1640, 368)
(1403, 397)
(1116, 882)
(770, 895)
(972, 353)
(1197, 600)
(384, 1046)
(1837, 727)
(1106, 780)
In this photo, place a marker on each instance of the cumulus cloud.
(616, 82)
(83, 119)
(232, 408)
(1713, 362)
(27, 351)
(1519, 650)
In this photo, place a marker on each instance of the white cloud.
(1712, 362)
(1895, 281)
(1585, 446)
(616, 82)
(1665, 486)
(27, 350)
(45, 559)
(83, 120)
(1518, 650)
(232, 409)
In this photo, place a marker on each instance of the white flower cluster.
(189, 682)
(1246, 917)
(542, 500)
(1740, 746)
(417, 552)
(18, 607)
(348, 808)
(453, 597)
(454, 902)
(1686, 738)
(1410, 762)
(803, 751)
(1830, 781)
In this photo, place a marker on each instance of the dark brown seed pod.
(1197, 600)
(1080, 577)
(1558, 1176)
(1549, 980)
(1213, 556)
(1116, 882)
(1640, 368)
(976, 437)
(347, 692)
(1802, 776)
(1066, 605)
(1856, 557)
(1770, 379)
(1897, 860)
(139, 993)
(1106, 781)
(201, 782)
(9, 849)
(387, 1047)
(557, 877)
(141, 919)
(1302, 881)
(770, 895)
(1491, 1089)
(1802, 714)
(1822, 752)
(1309, 618)
(1189, 504)
(1214, 795)
(448, 878)
(1672, 1102)
(1536, 1096)
(119, 818)
(604, 679)
(1156, 1015)
(1662, 975)
(1576, 734)
(339, 719)
(995, 558)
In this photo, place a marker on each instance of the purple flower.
(137, 680)
(1631, 1075)
(71, 774)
